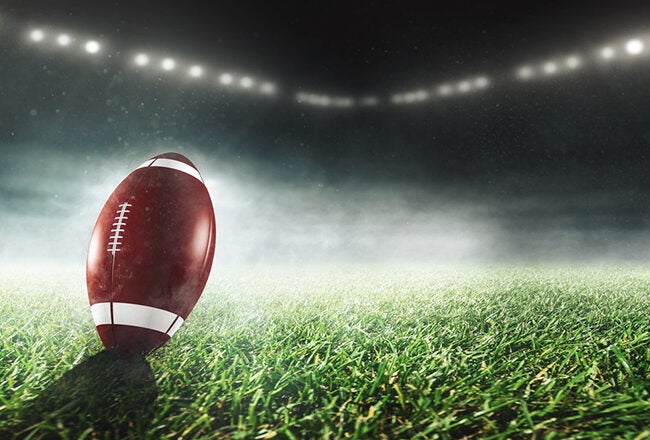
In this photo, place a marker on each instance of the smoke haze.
(50, 201)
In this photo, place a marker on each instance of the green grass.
(374, 352)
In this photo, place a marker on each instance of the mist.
(50, 200)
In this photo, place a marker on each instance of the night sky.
(551, 169)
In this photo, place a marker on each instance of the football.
(150, 254)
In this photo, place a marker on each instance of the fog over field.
(50, 200)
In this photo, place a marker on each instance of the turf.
(351, 352)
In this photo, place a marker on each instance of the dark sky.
(567, 153)
(348, 46)
(356, 48)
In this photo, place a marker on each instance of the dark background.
(565, 156)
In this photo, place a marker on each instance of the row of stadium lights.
(65, 40)
(631, 48)
(166, 64)
(441, 91)
(335, 101)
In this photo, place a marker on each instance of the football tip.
(175, 156)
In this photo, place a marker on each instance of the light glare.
(573, 62)
(421, 94)
(267, 88)
(141, 59)
(344, 102)
(246, 82)
(464, 86)
(196, 71)
(445, 90)
(481, 82)
(550, 68)
(168, 64)
(37, 35)
(92, 46)
(369, 101)
(607, 53)
(63, 39)
(525, 72)
(226, 79)
(634, 47)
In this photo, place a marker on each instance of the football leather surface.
(150, 254)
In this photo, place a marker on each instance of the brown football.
(150, 254)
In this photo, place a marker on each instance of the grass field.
(354, 352)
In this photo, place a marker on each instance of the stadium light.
(634, 47)
(37, 35)
(92, 46)
(572, 62)
(168, 64)
(550, 68)
(325, 100)
(421, 95)
(369, 101)
(445, 90)
(267, 88)
(246, 82)
(464, 86)
(481, 82)
(196, 71)
(226, 79)
(63, 40)
(141, 59)
(343, 102)
(607, 53)
(525, 72)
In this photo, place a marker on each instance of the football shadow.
(107, 395)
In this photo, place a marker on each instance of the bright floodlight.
(92, 46)
(464, 86)
(246, 82)
(481, 82)
(36, 35)
(344, 102)
(607, 53)
(525, 72)
(267, 88)
(634, 47)
(196, 71)
(445, 90)
(63, 39)
(168, 64)
(421, 95)
(550, 68)
(141, 59)
(573, 62)
(369, 101)
(226, 79)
